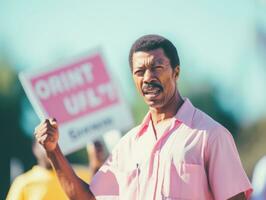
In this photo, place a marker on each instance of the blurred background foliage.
(222, 49)
(14, 143)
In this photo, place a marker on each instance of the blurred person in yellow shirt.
(41, 183)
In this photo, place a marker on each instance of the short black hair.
(152, 42)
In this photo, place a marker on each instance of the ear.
(176, 71)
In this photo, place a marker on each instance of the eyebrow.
(160, 61)
(137, 68)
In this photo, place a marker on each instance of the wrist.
(53, 153)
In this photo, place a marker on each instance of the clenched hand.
(46, 133)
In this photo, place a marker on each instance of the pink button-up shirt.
(195, 158)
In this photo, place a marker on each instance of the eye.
(157, 68)
(139, 72)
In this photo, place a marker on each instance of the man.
(178, 152)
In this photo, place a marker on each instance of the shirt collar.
(144, 125)
(184, 115)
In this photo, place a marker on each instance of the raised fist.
(46, 133)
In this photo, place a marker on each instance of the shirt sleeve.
(227, 177)
(259, 180)
(104, 184)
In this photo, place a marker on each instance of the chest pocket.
(182, 182)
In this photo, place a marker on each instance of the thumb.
(53, 122)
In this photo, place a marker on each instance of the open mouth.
(152, 90)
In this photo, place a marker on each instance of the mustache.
(152, 85)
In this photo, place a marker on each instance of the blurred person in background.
(96, 155)
(177, 152)
(259, 180)
(41, 183)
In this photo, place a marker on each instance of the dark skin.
(154, 66)
(155, 80)
(240, 196)
(47, 135)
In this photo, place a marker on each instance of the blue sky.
(217, 40)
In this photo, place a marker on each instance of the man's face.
(154, 77)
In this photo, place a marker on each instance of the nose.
(148, 76)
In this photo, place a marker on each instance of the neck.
(168, 111)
